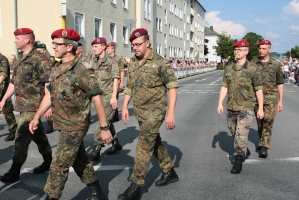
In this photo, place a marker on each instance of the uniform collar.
(61, 68)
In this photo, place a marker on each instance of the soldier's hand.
(113, 103)
(124, 115)
(106, 136)
(121, 86)
(170, 121)
(33, 125)
(280, 106)
(48, 114)
(2, 104)
(260, 114)
(220, 110)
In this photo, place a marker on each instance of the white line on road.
(210, 90)
(96, 168)
(185, 90)
(189, 92)
(252, 161)
(202, 92)
(197, 90)
(216, 81)
(201, 79)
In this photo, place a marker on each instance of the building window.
(97, 28)
(113, 1)
(188, 19)
(125, 35)
(125, 4)
(159, 24)
(165, 17)
(159, 2)
(112, 32)
(147, 9)
(79, 24)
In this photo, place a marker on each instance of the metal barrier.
(182, 72)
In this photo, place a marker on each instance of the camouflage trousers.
(70, 152)
(109, 114)
(9, 116)
(24, 138)
(265, 125)
(238, 123)
(149, 143)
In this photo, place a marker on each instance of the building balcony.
(192, 28)
(192, 11)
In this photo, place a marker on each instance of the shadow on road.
(6, 154)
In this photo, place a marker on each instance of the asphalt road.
(200, 145)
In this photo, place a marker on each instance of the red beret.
(111, 44)
(70, 34)
(267, 42)
(99, 40)
(23, 31)
(241, 43)
(137, 33)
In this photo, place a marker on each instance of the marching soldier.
(106, 70)
(242, 82)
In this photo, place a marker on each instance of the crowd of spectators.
(290, 70)
(178, 64)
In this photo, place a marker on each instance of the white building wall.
(212, 55)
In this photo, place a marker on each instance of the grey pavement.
(200, 145)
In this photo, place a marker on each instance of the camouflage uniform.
(71, 89)
(106, 70)
(272, 76)
(8, 108)
(148, 84)
(30, 74)
(241, 82)
(85, 59)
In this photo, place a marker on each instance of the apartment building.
(211, 38)
(176, 27)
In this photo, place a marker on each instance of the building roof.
(210, 31)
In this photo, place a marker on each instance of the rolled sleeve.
(3, 74)
(172, 85)
(128, 91)
(257, 88)
(93, 92)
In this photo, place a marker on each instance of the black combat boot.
(264, 153)
(237, 166)
(49, 198)
(167, 178)
(247, 154)
(115, 147)
(94, 154)
(45, 166)
(13, 175)
(131, 193)
(11, 136)
(96, 191)
(49, 128)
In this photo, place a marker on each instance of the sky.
(275, 20)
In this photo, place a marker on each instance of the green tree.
(224, 46)
(294, 52)
(253, 39)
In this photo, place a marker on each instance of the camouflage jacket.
(30, 73)
(272, 76)
(148, 84)
(242, 84)
(120, 62)
(4, 71)
(71, 88)
(84, 59)
(106, 70)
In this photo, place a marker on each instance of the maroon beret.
(70, 34)
(266, 42)
(111, 44)
(137, 33)
(23, 31)
(99, 40)
(241, 43)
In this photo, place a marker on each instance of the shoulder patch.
(86, 64)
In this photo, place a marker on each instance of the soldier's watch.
(105, 128)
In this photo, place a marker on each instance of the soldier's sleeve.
(279, 75)
(224, 79)
(44, 69)
(128, 88)
(3, 66)
(121, 65)
(88, 83)
(167, 75)
(115, 69)
(257, 80)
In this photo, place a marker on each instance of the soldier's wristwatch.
(105, 128)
